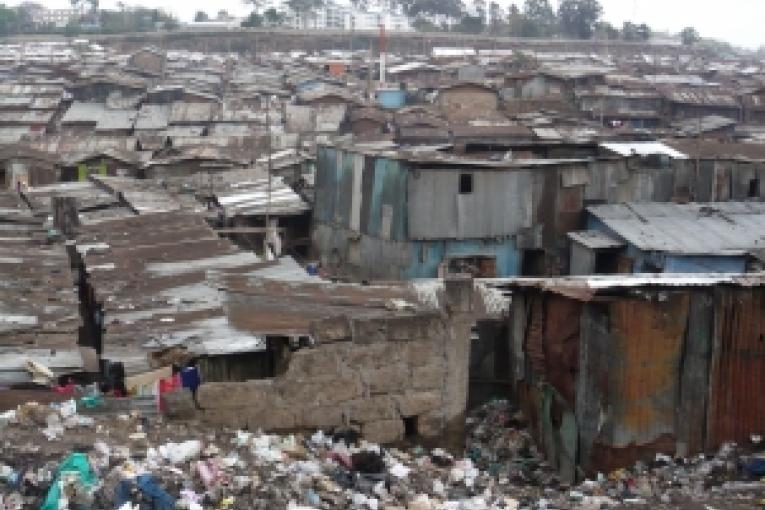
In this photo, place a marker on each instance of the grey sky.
(736, 21)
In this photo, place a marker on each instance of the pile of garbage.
(128, 462)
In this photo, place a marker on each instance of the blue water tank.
(391, 98)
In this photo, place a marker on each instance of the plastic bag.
(176, 453)
(76, 464)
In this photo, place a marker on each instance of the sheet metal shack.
(396, 214)
(612, 369)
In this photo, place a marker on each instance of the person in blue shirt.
(190, 379)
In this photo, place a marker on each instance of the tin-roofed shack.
(393, 213)
(614, 369)
(674, 238)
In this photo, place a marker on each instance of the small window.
(466, 184)
(754, 188)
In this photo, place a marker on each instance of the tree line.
(577, 19)
(22, 19)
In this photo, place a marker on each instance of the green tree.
(606, 31)
(253, 20)
(305, 8)
(470, 25)
(425, 25)
(257, 5)
(539, 19)
(201, 16)
(633, 32)
(495, 17)
(137, 19)
(9, 20)
(274, 17)
(577, 18)
(690, 36)
(451, 9)
(480, 9)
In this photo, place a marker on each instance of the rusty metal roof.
(151, 273)
(39, 309)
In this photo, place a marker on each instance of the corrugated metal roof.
(588, 285)
(191, 113)
(27, 117)
(643, 149)
(152, 116)
(39, 317)
(595, 239)
(721, 228)
(80, 112)
(251, 198)
(112, 120)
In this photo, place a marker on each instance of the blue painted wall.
(702, 264)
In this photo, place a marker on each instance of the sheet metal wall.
(736, 407)
(499, 205)
(417, 216)
(361, 193)
(668, 370)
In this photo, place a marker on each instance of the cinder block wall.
(369, 373)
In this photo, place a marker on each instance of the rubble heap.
(52, 457)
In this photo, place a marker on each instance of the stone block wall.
(366, 373)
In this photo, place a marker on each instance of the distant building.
(650, 237)
(58, 17)
(337, 16)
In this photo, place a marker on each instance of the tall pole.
(269, 170)
(382, 53)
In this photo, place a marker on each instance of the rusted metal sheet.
(669, 369)
(648, 342)
(736, 410)
(535, 337)
(561, 344)
(694, 374)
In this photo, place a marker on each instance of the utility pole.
(267, 230)
(383, 51)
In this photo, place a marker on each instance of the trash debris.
(126, 462)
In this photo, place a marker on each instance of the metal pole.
(270, 164)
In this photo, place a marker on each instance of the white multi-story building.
(58, 17)
(338, 16)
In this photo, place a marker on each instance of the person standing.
(190, 379)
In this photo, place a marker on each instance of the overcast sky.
(736, 21)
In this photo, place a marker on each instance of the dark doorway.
(489, 368)
(533, 263)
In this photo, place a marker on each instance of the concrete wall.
(364, 373)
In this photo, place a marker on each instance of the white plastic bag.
(176, 453)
